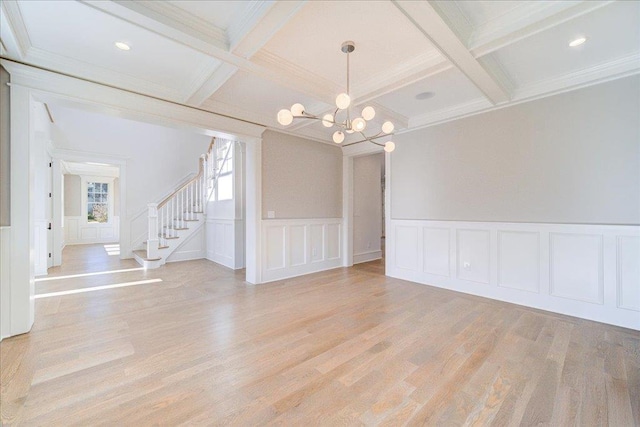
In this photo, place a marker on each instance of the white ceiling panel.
(612, 32)
(450, 88)
(64, 33)
(256, 98)
(385, 40)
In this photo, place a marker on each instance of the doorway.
(368, 208)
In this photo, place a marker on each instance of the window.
(224, 188)
(97, 202)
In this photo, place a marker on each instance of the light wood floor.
(343, 347)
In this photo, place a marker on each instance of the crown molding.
(493, 66)
(448, 114)
(100, 74)
(212, 83)
(389, 76)
(297, 78)
(179, 19)
(245, 20)
(400, 121)
(417, 76)
(524, 21)
(620, 67)
(11, 13)
(201, 75)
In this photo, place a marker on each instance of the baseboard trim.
(367, 256)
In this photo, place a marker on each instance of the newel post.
(152, 239)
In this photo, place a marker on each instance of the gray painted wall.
(570, 158)
(367, 203)
(72, 195)
(300, 178)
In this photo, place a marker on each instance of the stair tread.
(143, 254)
(164, 236)
(176, 228)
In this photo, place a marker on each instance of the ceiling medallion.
(348, 125)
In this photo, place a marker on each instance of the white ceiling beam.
(13, 32)
(177, 18)
(247, 35)
(426, 19)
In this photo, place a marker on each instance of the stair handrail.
(164, 221)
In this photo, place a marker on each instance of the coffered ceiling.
(249, 59)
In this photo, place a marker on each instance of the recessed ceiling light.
(122, 46)
(425, 95)
(577, 42)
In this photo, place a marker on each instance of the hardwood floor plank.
(341, 347)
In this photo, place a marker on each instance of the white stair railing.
(184, 204)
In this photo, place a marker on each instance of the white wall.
(157, 158)
(367, 207)
(571, 158)
(5, 150)
(41, 134)
(225, 235)
(490, 205)
(300, 178)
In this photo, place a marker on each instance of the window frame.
(85, 180)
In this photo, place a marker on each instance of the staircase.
(182, 213)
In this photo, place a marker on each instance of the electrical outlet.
(271, 214)
(314, 252)
(466, 265)
(368, 245)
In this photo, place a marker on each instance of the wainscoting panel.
(628, 274)
(78, 232)
(473, 255)
(224, 242)
(298, 245)
(576, 267)
(293, 247)
(436, 251)
(275, 247)
(587, 271)
(406, 255)
(519, 260)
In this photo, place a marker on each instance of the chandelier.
(347, 124)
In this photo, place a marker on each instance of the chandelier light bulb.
(358, 124)
(297, 109)
(387, 127)
(285, 117)
(342, 122)
(368, 113)
(343, 101)
(389, 146)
